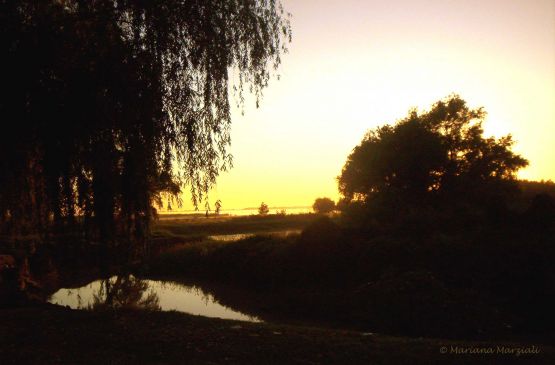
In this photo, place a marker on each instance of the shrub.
(263, 209)
(323, 205)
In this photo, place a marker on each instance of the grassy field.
(50, 335)
(185, 226)
(171, 231)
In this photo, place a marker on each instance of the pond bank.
(478, 285)
(54, 335)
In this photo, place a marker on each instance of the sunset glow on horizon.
(354, 65)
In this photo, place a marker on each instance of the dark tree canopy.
(109, 104)
(323, 205)
(433, 156)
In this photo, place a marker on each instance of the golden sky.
(357, 64)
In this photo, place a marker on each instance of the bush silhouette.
(263, 209)
(541, 213)
(323, 205)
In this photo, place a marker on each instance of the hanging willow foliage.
(110, 103)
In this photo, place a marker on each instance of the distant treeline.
(532, 188)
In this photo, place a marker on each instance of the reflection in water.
(124, 292)
(230, 237)
(240, 236)
(128, 291)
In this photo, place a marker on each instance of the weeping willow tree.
(110, 104)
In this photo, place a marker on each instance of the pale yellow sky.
(354, 65)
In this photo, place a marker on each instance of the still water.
(241, 236)
(131, 292)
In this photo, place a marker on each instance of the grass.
(483, 284)
(175, 230)
(469, 285)
(50, 335)
(198, 226)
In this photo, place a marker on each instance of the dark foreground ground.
(55, 335)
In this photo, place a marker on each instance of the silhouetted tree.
(436, 156)
(323, 205)
(111, 104)
(263, 209)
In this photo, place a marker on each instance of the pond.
(131, 292)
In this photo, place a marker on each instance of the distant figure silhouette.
(218, 206)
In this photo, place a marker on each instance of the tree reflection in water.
(125, 292)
